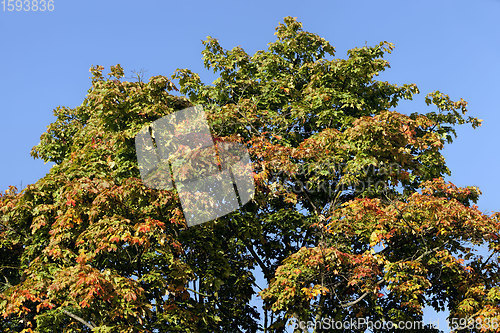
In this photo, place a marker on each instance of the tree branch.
(80, 319)
(360, 298)
(265, 269)
(199, 293)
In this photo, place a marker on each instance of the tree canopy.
(351, 215)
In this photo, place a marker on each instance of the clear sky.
(447, 45)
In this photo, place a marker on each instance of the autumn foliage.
(351, 217)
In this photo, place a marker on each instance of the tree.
(351, 216)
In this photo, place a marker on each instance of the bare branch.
(360, 298)
(80, 319)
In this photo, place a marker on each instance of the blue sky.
(448, 45)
